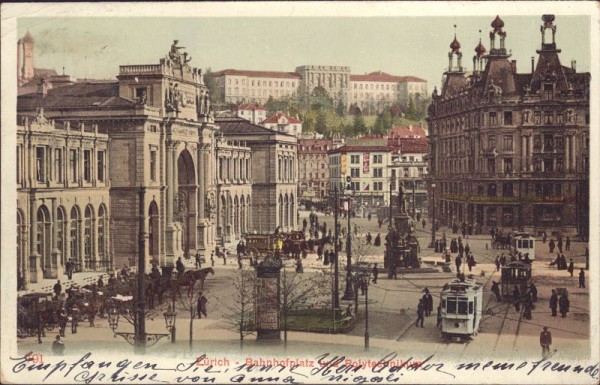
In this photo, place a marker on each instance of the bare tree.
(190, 305)
(241, 311)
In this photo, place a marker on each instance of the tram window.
(470, 307)
(462, 306)
(451, 306)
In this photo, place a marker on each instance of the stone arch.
(75, 236)
(230, 213)
(185, 197)
(153, 231)
(43, 239)
(88, 238)
(185, 169)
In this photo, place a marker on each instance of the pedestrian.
(497, 262)
(534, 292)
(471, 262)
(319, 252)
(517, 298)
(201, 306)
(458, 262)
(198, 261)
(545, 341)
(225, 256)
(582, 279)
(57, 289)
(377, 241)
(428, 302)
(423, 223)
(70, 267)
(326, 259)
(369, 217)
(544, 237)
(239, 260)
(394, 271)
(420, 313)
(571, 267)
(563, 304)
(551, 246)
(467, 249)
(58, 346)
(375, 273)
(212, 258)
(568, 244)
(100, 282)
(439, 316)
(63, 318)
(560, 244)
(179, 266)
(304, 224)
(554, 302)
(369, 238)
(299, 267)
(74, 319)
(527, 307)
(496, 290)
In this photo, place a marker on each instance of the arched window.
(248, 212)
(74, 236)
(242, 215)
(43, 236)
(292, 216)
(286, 219)
(102, 231)
(280, 211)
(88, 237)
(60, 234)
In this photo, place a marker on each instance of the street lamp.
(349, 292)
(170, 316)
(432, 244)
(336, 284)
(113, 319)
(365, 278)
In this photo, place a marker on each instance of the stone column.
(530, 140)
(35, 272)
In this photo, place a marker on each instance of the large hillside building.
(511, 150)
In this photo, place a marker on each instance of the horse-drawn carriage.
(294, 244)
(259, 244)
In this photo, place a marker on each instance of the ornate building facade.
(144, 146)
(511, 150)
(313, 169)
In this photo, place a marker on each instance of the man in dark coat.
(551, 246)
(563, 305)
(58, 346)
(571, 267)
(496, 290)
(198, 260)
(70, 266)
(57, 289)
(517, 298)
(527, 307)
(568, 244)
(420, 313)
(179, 266)
(545, 341)
(369, 238)
(458, 262)
(377, 241)
(560, 244)
(375, 273)
(202, 301)
(534, 292)
(428, 302)
(497, 262)
(582, 279)
(553, 302)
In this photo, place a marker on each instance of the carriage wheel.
(49, 326)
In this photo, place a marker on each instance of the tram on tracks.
(523, 243)
(515, 273)
(461, 305)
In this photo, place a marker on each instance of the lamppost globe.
(169, 318)
(113, 319)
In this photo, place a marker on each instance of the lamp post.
(365, 278)
(336, 266)
(432, 244)
(349, 292)
(170, 316)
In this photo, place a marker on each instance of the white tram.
(462, 304)
(523, 243)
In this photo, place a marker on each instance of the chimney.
(574, 65)
(42, 87)
(513, 65)
(532, 64)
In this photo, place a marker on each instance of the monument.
(267, 299)
(401, 242)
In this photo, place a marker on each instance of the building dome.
(497, 23)
(480, 49)
(455, 45)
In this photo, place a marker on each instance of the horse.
(199, 275)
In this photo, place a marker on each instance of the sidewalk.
(79, 279)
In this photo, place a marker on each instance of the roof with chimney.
(275, 118)
(241, 126)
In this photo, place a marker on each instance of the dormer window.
(548, 91)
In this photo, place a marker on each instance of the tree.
(320, 99)
(321, 123)
(213, 90)
(383, 123)
(358, 125)
(241, 311)
(190, 304)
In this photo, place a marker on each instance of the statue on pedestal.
(401, 198)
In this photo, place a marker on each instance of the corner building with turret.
(510, 150)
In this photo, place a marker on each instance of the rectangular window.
(153, 165)
(355, 159)
(451, 305)
(548, 143)
(378, 172)
(508, 142)
(491, 141)
(355, 172)
(493, 119)
(355, 186)
(101, 166)
(560, 164)
(87, 171)
(58, 164)
(537, 117)
(73, 164)
(508, 165)
(40, 162)
(508, 118)
(462, 305)
(378, 186)
(378, 159)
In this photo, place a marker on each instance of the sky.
(94, 47)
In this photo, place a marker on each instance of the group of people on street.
(424, 308)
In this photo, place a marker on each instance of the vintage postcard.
(297, 192)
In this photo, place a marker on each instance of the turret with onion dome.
(478, 58)
(497, 26)
(548, 24)
(455, 50)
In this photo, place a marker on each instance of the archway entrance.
(185, 203)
